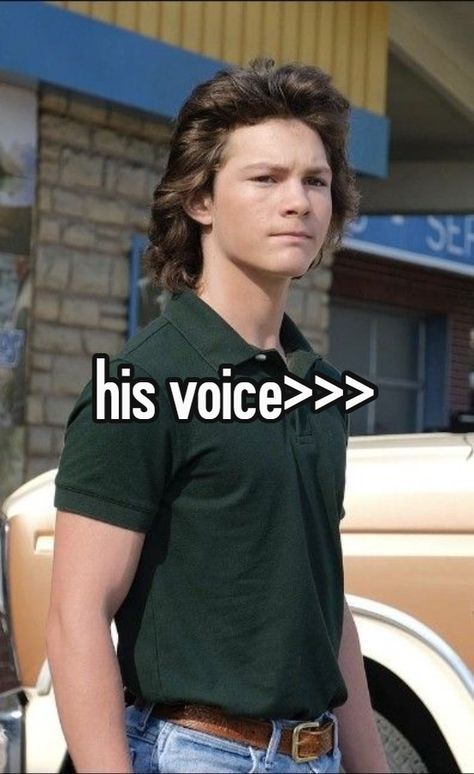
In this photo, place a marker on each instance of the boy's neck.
(254, 311)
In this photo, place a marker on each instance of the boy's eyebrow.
(280, 168)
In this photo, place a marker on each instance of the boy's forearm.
(361, 746)
(89, 694)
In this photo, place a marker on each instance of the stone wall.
(97, 167)
(97, 170)
(308, 303)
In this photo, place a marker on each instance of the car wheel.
(401, 755)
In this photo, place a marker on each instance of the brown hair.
(233, 98)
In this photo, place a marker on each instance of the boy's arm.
(359, 739)
(93, 567)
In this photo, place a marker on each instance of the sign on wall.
(439, 241)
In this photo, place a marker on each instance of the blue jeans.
(158, 745)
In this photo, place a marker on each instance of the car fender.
(424, 662)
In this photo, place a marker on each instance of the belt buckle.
(296, 741)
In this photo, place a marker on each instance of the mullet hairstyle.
(234, 98)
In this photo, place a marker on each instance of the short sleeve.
(116, 471)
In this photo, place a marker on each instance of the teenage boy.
(215, 545)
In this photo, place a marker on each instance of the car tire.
(401, 755)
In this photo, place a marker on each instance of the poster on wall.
(17, 167)
(17, 190)
(15, 302)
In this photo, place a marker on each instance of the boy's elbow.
(66, 628)
(53, 637)
(57, 627)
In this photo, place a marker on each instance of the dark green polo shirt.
(238, 596)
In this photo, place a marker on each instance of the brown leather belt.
(304, 742)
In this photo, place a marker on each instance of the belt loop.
(273, 744)
(146, 712)
(336, 731)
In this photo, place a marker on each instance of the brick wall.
(96, 170)
(373, 279)
(308, 304)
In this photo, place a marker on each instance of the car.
(407, 538)
(408, 545)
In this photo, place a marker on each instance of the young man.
(215, 544)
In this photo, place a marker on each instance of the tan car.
(409, 566)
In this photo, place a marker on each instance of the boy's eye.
(316, 181)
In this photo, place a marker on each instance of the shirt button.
(261, 356)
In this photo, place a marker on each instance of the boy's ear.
(199, 208)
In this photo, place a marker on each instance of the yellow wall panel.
(147, 19)
(126, 14)
(290, 31)
(348, 39)
(376, 89)
(82, 6)
(325, 38)
(358, 58)
(170, 22)
(233, 31)
(192, 21)
(212, 33)
(308, 20)
(342, 44)
(271, 29)
(104, 11)
(252, 36)
(78, 7)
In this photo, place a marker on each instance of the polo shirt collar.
(219, 343)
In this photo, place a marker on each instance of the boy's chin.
(284, 269)
(294, 269)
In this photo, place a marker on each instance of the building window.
(145, 302)
(388, 347)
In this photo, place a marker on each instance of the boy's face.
(271, 206)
